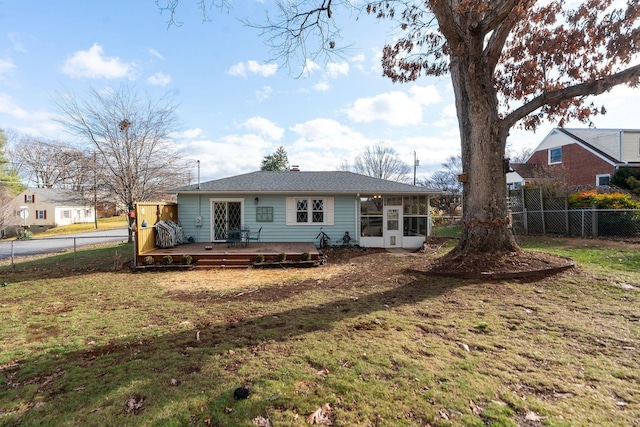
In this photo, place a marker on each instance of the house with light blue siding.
(295, 206)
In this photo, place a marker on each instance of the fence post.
(544, 217)
(13, 265)
(594, 226)
(74, 252)
(566, 215)
(525, 215)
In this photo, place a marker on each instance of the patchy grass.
(110, 223)
(378, 341)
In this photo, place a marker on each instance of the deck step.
(223, 262)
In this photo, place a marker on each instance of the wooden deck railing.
(149, 213)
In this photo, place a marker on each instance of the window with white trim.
(309, 210)
(65, 213)
(555, 155)
(41, 214)
(603, 179)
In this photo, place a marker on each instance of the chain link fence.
(603, 223)
(12, 249)
(579, 222)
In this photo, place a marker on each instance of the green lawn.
(381, 343)
(109, 223)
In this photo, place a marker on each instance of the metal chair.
(233, 237)
(254, 236)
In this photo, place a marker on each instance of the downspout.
(621, 144)
(429, 217)
(199, 227)
(356, 211)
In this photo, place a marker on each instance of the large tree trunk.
(486, 224)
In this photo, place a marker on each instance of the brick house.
(587, 157)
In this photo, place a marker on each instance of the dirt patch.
(512, 265)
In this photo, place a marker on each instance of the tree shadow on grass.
(87, 260)
(146, 361)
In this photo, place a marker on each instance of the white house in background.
(521, 174)
(44, 208)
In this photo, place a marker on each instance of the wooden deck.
(223, 255)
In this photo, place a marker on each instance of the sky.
(235, 103)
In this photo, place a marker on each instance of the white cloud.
(9, 107)
(241, 69)
(6, 65)
(321, 87)
(425, 95)
(159, 79)
(395, 108)
(93, 64)
(188, 134)
(310, 66)
(263, 93)
(16, 41)
(36, 123)
(264, 127)
(156, 54)
(448, 117)
(358, 58)
(337, 69)
(246, 151)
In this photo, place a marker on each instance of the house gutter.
(620, 143)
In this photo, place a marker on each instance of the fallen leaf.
(261, 421)
(321, 416)
(323, 372)
(532, 416)
(134, 404)
(475, 409)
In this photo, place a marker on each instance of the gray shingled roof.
(334, 182)
(59, 197)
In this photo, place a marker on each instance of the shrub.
(149, 260)
(590, 198)
(259, 258)
(305, 256)
(186, 259)
(281, 257)
(25, 235)
(167, 259)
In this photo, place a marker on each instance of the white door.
(392, 232)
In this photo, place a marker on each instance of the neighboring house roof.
(591, 147)
(58, 197)
(333, 182)
(529, 170)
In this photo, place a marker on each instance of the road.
(59, 243)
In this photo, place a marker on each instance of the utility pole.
(95, 192)
(416, 162)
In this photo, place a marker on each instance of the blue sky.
(235, 105)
